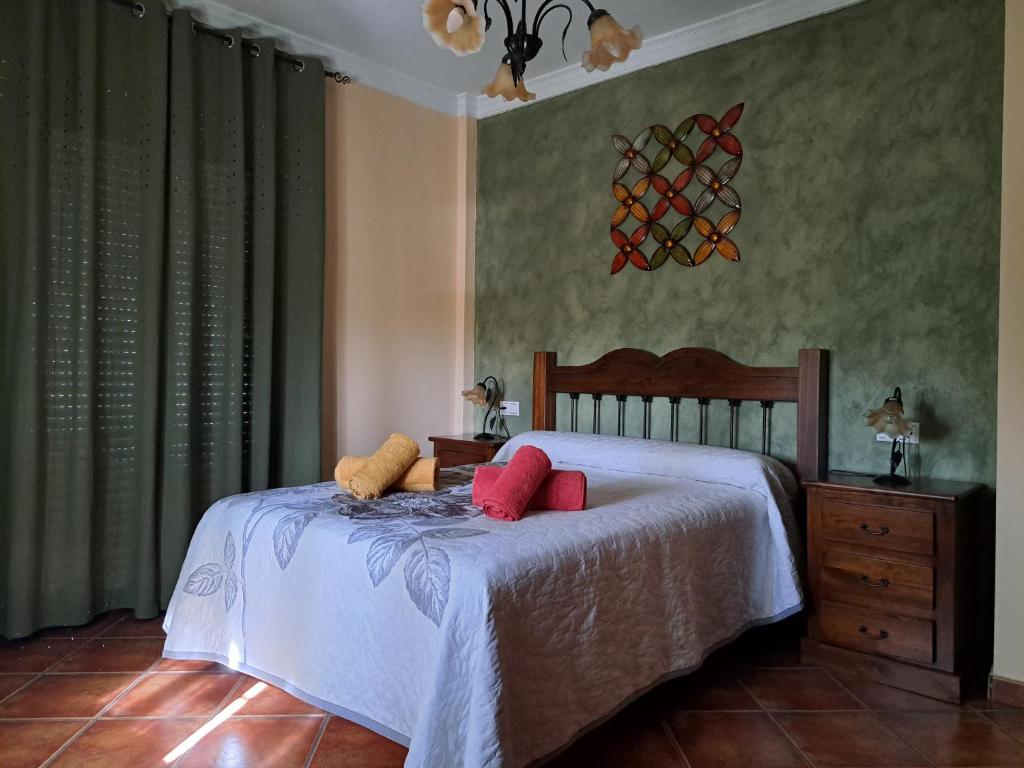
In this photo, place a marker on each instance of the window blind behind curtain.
(161, 226)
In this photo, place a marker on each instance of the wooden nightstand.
(456, 450)
(898, 581)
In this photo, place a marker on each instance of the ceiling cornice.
(729, 27)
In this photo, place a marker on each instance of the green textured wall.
(870, 186)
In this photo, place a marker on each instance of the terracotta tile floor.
(101, 696)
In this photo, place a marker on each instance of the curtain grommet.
(138, 10)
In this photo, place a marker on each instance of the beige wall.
(1009, 646)
(399, 314)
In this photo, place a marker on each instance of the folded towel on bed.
(562, 490)
(388, 463)
(421, 476)
(510, 495)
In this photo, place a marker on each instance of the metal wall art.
(636, 201)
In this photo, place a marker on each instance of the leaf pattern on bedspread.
(427, 568)
(412, 526)
(287, 534)
(408, 523)
(208, 578)
(428, 578)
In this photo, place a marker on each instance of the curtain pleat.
(260, 232)
(161, 318)
(204, 290)
(299, 266)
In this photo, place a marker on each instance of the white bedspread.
(484, 643)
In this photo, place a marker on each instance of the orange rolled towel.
(382, 470)
(420, 477)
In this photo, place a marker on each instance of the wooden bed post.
(812, 415)
(543, 397)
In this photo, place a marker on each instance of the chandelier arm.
(546, 3)
(540, 20)
(508, 14)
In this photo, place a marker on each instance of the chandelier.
(458, 26)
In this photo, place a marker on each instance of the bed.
(477, 642)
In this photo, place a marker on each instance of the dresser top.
(938, 489)
(468, 438)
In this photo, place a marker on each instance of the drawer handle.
(867, 529)
(882, 634)
(880, 584)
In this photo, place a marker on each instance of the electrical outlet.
(509, 407)
(912, 439)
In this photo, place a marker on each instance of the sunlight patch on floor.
(219, 718)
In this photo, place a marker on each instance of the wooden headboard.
(699, 374)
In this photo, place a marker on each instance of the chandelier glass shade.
(461, 26)
(455, 25)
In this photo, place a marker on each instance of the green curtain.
(161, 227)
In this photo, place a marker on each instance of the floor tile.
(65, 696)
(132, 627)
(713, 716)
(347, 745)
(10, 683)
(175, 694)
(1010, 721)
(87, 631)
(271, 700)
(733, 740)
(848, 739)
(957, 739)
(625, 740)
(984, 704)
(885, 697)
(105, 655)
(34, 654)
(124, 743)
(797, 689)
(711, 690)
(282, 742)
(29, 744)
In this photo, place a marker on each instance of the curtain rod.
(139, 10)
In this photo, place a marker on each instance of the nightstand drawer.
(457, 450)
(879, 583)
(878, 633)
(449, 457)
(896, 530)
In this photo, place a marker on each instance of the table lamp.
(485, 396)
(890, 420)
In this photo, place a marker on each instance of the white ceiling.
(383, 43)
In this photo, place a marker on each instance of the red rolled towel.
(562, 490)
(510, 495)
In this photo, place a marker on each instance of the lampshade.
(455, 25)
(504, 85)
(477, 395)
(610, 42)
(889, 418)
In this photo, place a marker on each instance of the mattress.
(477, 642)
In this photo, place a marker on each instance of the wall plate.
(509, 407)
(912, 439)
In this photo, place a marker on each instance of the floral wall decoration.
(653, 201)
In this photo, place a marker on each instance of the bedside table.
(456, 450)
(898, 588)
